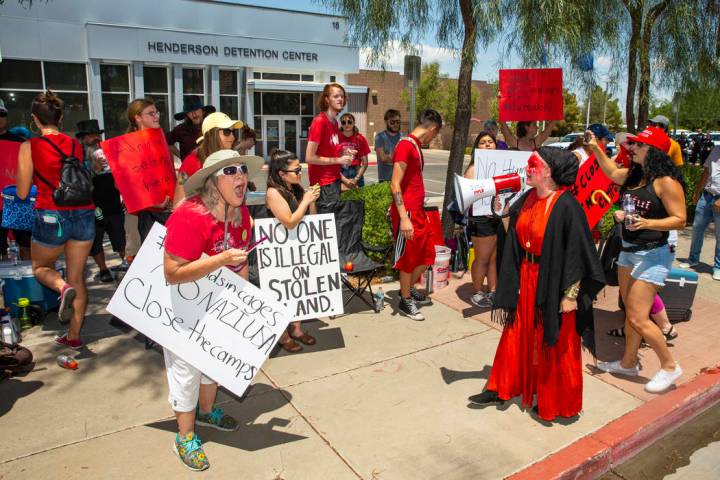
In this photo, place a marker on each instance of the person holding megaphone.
(549, 275)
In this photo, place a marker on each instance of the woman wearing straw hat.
(213, 220)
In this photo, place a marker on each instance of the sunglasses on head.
(227, 131)
(297, 170)
(347, 122)
(231, 170)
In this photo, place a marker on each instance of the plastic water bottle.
(629, 209)
(379, 298)
(13, 252)
(9, 334)
(66, 361)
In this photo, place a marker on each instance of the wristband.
(573, 290)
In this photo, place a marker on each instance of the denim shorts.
(54, 228)
(651, 266)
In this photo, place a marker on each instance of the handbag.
(609, 252)
(18, 214)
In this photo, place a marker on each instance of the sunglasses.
(347, 122)
(227, 131)
(394, 122)
(232, 170)
(297, 170)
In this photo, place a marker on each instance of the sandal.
(291, 345)
(670, 334)
(304, 338)
(617, 332)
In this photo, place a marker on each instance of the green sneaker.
(217, 419)
(191, 453)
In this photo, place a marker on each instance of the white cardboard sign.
(221, 324)
(492, 163)
(300, 268)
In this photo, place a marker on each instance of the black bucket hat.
(191, 103)
(87, 127)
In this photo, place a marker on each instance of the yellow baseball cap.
(218, 120)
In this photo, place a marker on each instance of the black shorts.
(483, 226)
(114, 226)
(147, 218)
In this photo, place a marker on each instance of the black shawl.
(568, 255)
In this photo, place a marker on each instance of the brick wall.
(389, 85)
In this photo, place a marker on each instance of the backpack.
(14, 359)
(609, 252)
(75, 188)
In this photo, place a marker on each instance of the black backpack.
(75, 187)
(609, 252)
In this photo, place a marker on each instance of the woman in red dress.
(549, 257)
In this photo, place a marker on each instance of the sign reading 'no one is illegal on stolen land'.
(221, 324)
(300, 268)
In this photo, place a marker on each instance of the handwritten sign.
(142, 167)
(220, 324)
(530, 94)
(300, 268)
(8, 162)
(491, 163)
(589, 179)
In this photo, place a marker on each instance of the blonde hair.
(134, 109)
(209, 145)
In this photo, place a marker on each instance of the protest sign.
(8, 162)
(491, 163)
(221, 324)
(300, 268)
(142, 167)
(530, 94)
(590, 179)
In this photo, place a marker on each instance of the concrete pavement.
(379, 397)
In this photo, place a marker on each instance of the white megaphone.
(468, 191)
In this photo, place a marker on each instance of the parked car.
(715, 137)
(566, 140)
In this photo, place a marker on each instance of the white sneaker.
(615, 367)
(480, 299)
(688, 264)
(663, 379)
(716, 274)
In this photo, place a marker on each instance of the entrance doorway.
(281, 132)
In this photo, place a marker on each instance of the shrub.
(377, 198)
(691, 174)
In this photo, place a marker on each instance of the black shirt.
(106, 195)
(647, 205)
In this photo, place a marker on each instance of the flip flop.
(670, 334)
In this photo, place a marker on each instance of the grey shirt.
(388, 143)
(713, 182)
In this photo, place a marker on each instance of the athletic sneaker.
(481, 299)
(65, 342)
(124, 266)
(419, 298)
(217, 419)
(104, 276)
(716, 274)
(688, 264)
(615, 367)
(189, 449)
(488, 397)
(408, 308)
(66, 310)
(663, 380)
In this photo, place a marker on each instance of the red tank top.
(46, 162)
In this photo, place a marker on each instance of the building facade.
(265, 66)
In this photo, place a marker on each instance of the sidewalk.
(379, 397)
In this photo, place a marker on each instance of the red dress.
(523, 364)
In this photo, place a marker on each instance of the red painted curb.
(621, 439)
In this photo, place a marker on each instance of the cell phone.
(587, 137)
(253, 245)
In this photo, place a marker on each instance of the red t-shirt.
(326, 134)
(412, 185)
(192, 230)
(190, 164)
(356, 142)
(46, 162)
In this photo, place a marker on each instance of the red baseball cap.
(653, 136)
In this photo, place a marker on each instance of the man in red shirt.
(324, 154)
(414, 248)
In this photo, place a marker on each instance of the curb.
(621, 439)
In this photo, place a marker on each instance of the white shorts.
(184, 382)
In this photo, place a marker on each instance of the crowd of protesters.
(543, 250)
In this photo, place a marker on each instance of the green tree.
(377, 23)
(699, 107)
(604, 109)
(572, 120)
(438, 92)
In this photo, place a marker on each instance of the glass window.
(65, 76)
(307, 104)
(114, 78)
(257, 75)
(193, 81)
(281, 76)
(115, 120)
(76, 109)
(308, 78)
(257, 103)
(258, 128)
(305, 126)
(18, 105)
(155, 79)
(332, 78)
(228, 82)
(229, 105)
(281, 103)
(20, 74)
(161, 103)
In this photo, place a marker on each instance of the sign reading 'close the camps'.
(300, 267)
(529, 94)
(221, 324)
(142, 167)
(592, 179)
(492, 163)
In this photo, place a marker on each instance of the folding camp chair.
(349, 220)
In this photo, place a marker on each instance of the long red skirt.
(525, 366)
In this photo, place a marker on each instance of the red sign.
(589, 187)
(142, 167)
(530, 94)
(8, 162)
